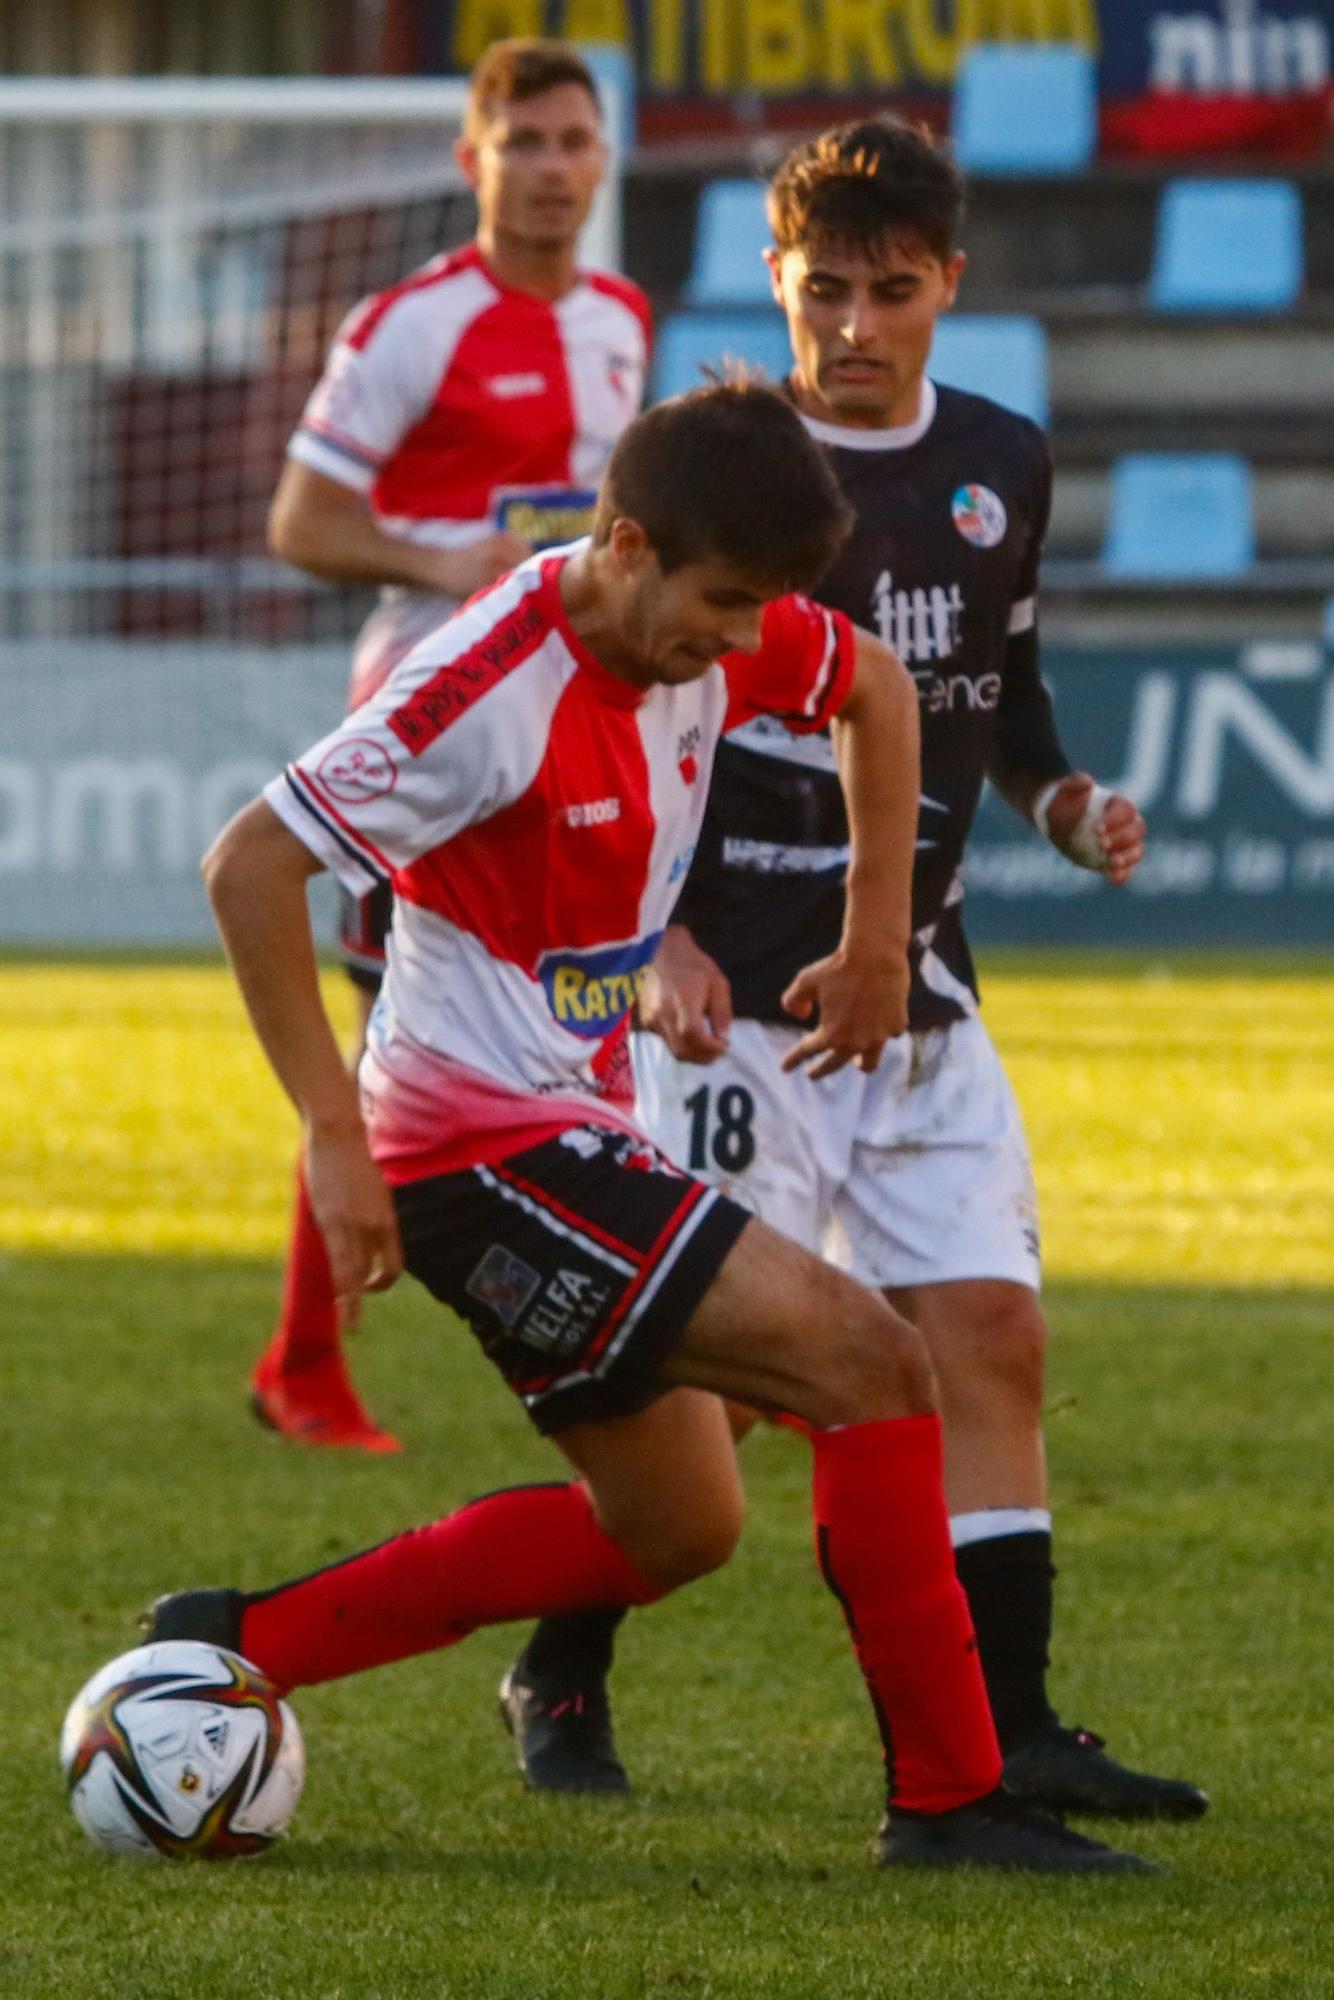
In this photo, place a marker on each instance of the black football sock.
(572, 1652)
(1007, 1578)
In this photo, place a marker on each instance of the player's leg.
(760, 1136)
(300, 1386)
(779, 1330)
(940, 1209)
(666, 1507)
(676, 1458)
(608, 1277)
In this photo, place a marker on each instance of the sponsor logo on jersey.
(681, 864)
(917, 624)
(509, 387)
(943, 694)
(546, 516)
(979, 515)
(589, 992)
(593, 812)
(503, 1282)
(356, 771)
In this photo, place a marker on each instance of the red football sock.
(524, 1553)
(307, 1331)
(883, 1538)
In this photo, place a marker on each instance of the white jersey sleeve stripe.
(1023, 616)
(301, 815)
(820, 687)
(334, 461)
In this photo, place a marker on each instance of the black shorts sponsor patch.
(576, 1262)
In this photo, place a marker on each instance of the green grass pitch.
(1181, 1122)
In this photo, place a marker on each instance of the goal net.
(175, 258)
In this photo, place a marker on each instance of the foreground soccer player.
(533, 779)
(917, 1178)
(464, 416)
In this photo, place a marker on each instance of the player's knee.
(684, 1549)
(872, 1362)
(1004, 1358)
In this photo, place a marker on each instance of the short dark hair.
(522, 67)
(728, 472)
(862, 185)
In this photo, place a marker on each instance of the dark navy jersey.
(951, 512)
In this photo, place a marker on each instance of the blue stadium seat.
(690, 341)
(731, 235)
(611, 63)
(1187, 514)
(1001, 355)
(1025, 109)
(1227, 246)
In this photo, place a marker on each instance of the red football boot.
(316, 1405)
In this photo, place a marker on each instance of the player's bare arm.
(331, 531)
(861, 989)
(256, 873)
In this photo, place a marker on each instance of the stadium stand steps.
(1024, 237)
(1076, 254)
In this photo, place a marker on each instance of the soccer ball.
(182, 1748)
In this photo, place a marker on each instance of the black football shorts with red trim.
(576, 1262)
(363, 927)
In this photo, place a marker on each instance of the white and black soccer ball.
(182, 1748)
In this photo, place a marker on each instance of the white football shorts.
(918, 1174)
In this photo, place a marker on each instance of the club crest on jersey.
(589, 992)
(355, 771)
(979, 515)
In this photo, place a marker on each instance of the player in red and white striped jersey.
(463, 418)
(533, 780)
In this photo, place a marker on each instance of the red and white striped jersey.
(536, 815)
(448, 390)
(449, 387)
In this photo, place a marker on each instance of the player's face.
(861, 327)
(672, 628)
(537, 166)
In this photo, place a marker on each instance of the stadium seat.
(691, 341)
(1227, 246)
(1001, 355)
(1180, 515)
(611, 65)
(1025, 109)
(731, 235)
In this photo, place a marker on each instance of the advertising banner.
(121, 761)
(1174, 75)
(1230, 755)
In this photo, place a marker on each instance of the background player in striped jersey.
(917, 1178)
(532, 777)
(481, 396)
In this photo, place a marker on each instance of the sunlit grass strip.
(1180, 1122)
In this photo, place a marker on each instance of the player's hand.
(686, 998)
(463, 571)
(1096, 828)
(356, 1216)
(862, 1001)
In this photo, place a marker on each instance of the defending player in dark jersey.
(917, 1179)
